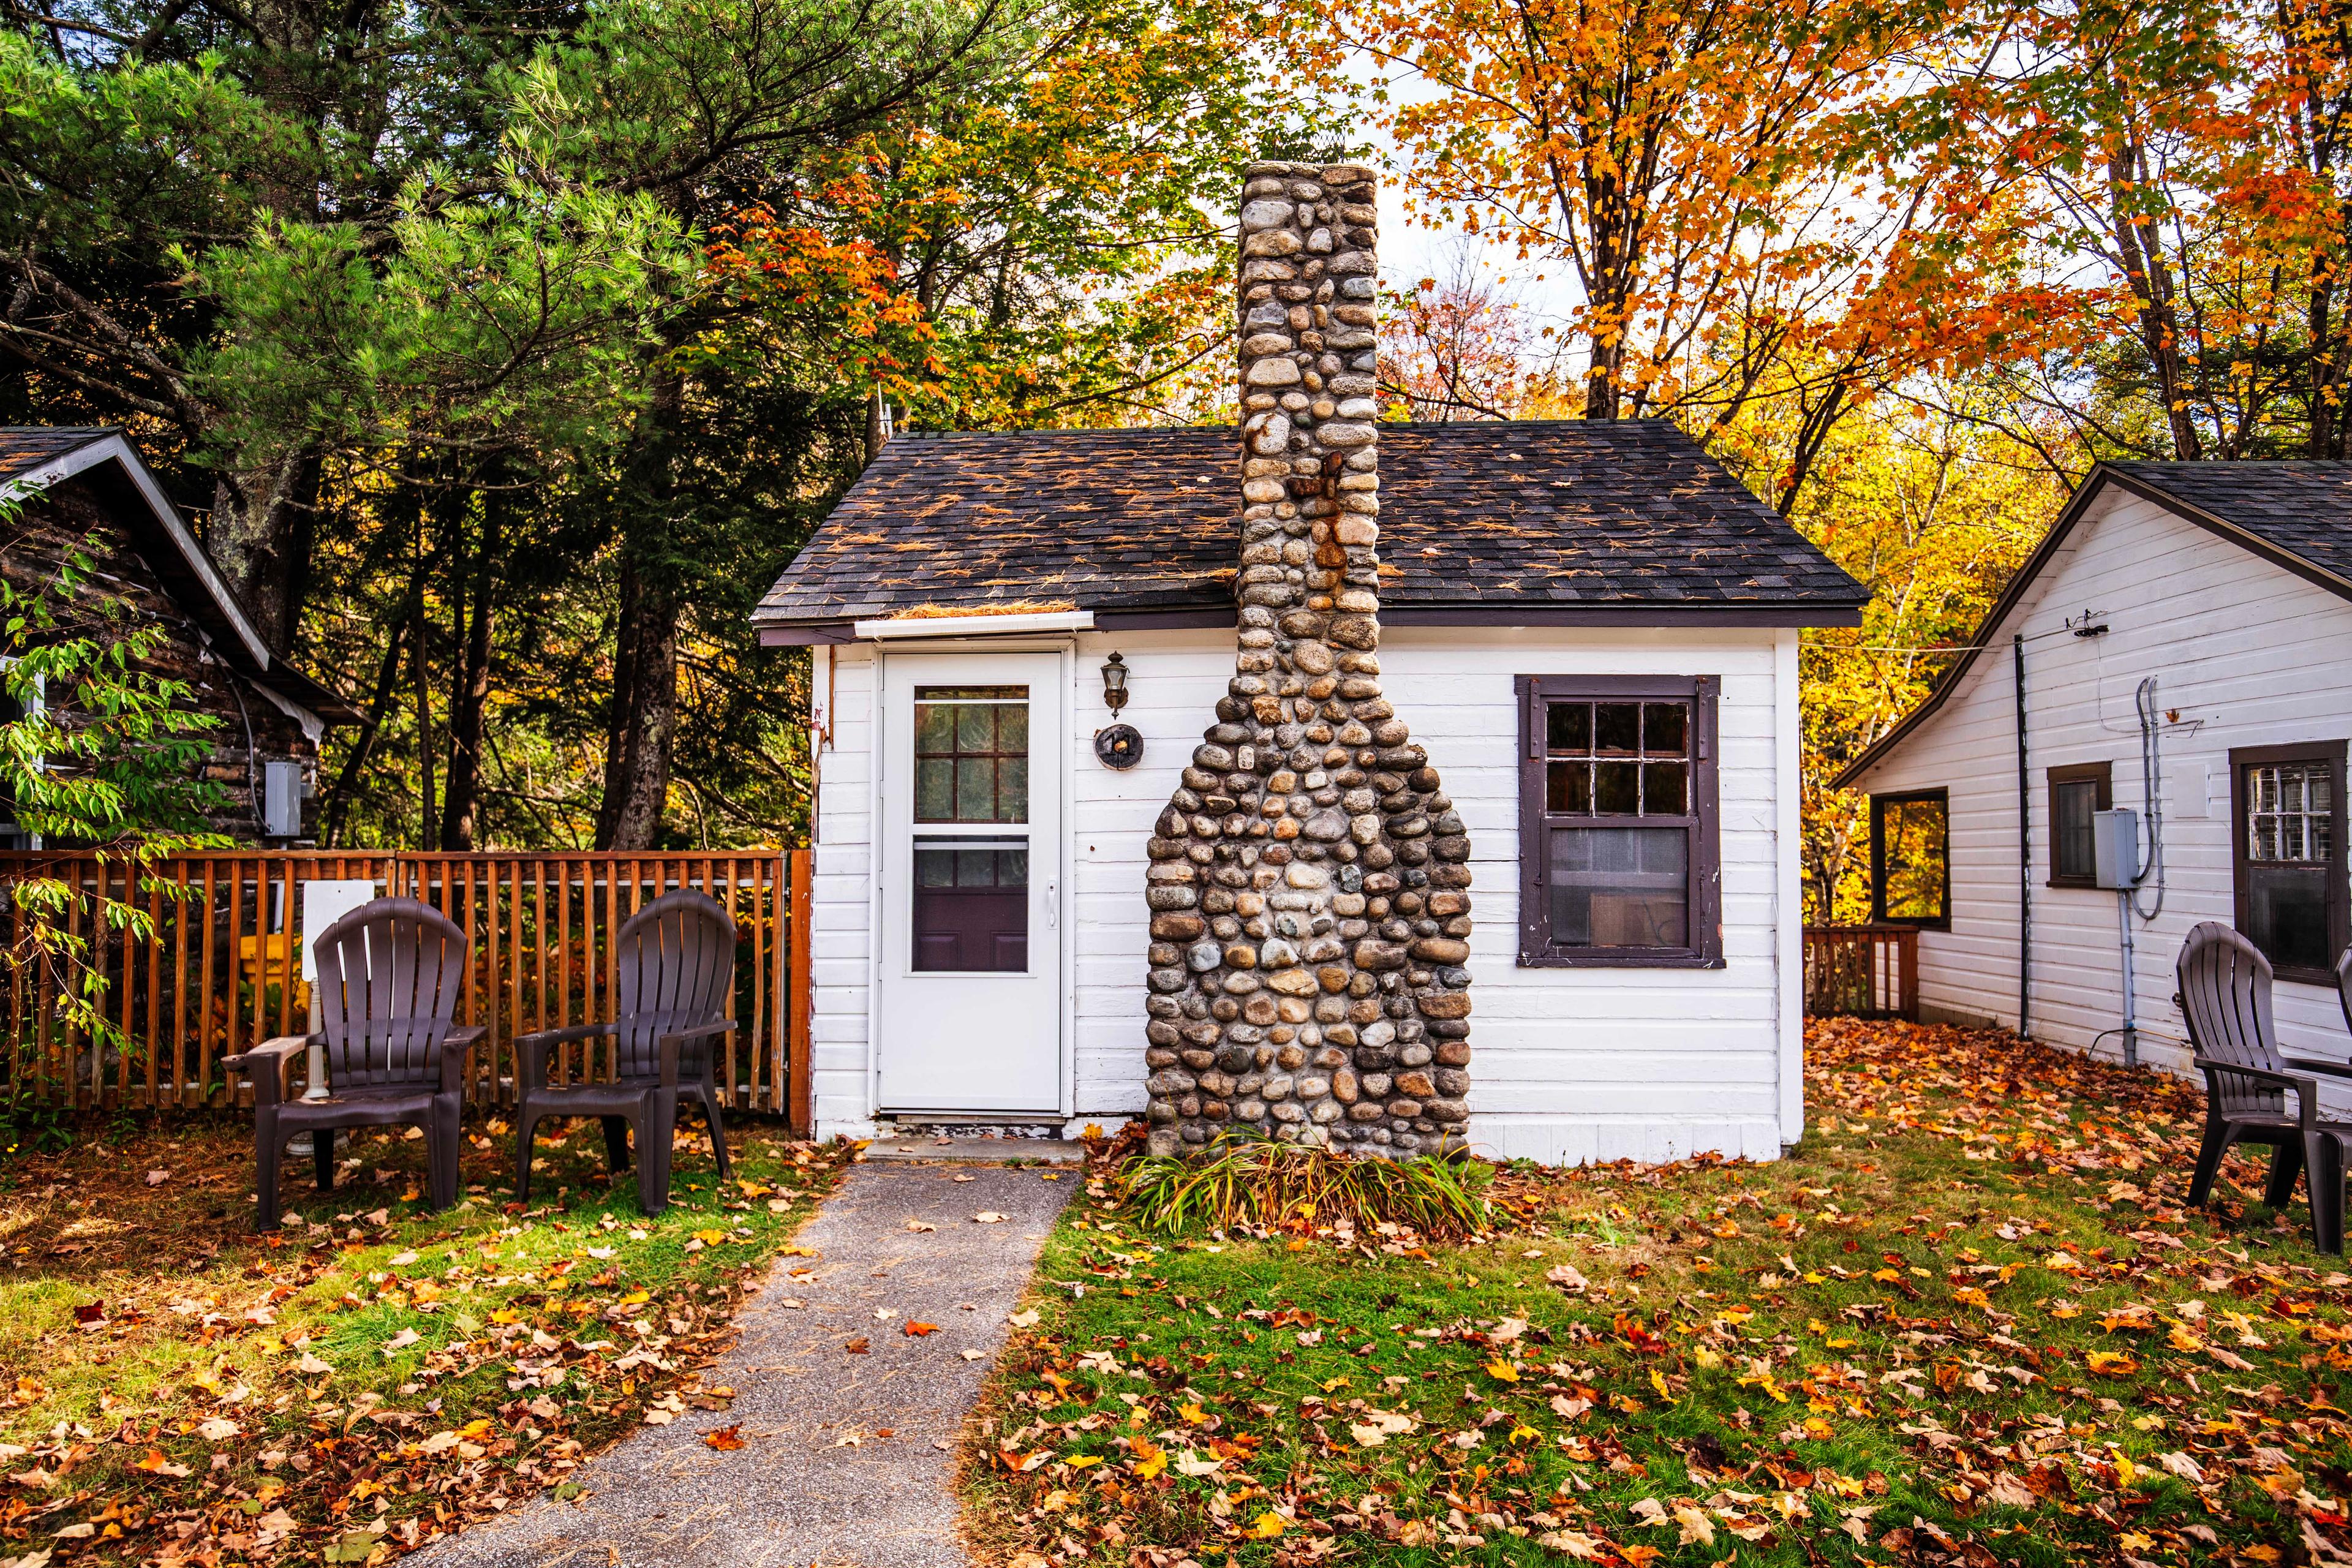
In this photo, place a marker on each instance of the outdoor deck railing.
(1862, 971)
(221, 971)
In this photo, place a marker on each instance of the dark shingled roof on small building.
(1487, 522)
(2295, 513)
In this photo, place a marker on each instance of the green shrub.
(1240, 1181)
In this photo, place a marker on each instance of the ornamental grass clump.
(1240, 1184)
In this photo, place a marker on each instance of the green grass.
(373, 1374)
(1971, 1300)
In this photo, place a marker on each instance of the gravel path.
(817, 1481)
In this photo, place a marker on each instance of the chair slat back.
(675, 962)
(390, 976)
(2225, 991)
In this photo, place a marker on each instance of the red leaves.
(915, 1331)
(726, 1440)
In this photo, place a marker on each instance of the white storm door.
(971, 1004)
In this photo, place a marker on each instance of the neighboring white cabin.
(2183, 573)
(1569, 1064)
(1592, 629)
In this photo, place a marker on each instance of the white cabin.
(961, 604)
(2184, 623)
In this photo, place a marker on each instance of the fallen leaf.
(726, 1440)
(857, 1346)
(988, 1216)
(917, 1331)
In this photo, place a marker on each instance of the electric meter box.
(2115, 847)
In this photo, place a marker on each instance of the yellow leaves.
(1192, 1414)
(1267, 1526)
(154, 1462)
(1502, 1370)
(633, 1298)
(1083, 1461)
(1147, 1457)
(1971, 1296)
(2112, 1364)
(1763, 1379)
(1658, 1382)
(710, 1237)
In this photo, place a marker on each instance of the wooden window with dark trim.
(2076, 790)
(2286, 816)
(1911, 860)
(1620, 860)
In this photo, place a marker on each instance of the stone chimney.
(1309, 887)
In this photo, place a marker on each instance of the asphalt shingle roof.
(1486, 515)
(25, 447)
(2303, 507)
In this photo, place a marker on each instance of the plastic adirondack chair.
(2225, 995)
(390, 976)
(675, 960)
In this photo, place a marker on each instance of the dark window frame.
(1878, 914)
(2339, 897)
(1704, 862)
(2100, 773)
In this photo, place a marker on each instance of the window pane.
(2073, 854)
(971, 907)
(2286, 910)
(1666, 789)
(1912, 858)
(1614, 787)
(1617, 727)
(1568, 727)
(1665, 727)
(1012, 728)
(975, 727)
(934, 727)
(1620, 887)
(1567, 788)
(2288, 815)
(971, 747)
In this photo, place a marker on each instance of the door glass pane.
(1666, 789)
(1664, 726)
(972, 906)
(971, 753)
(1568, 789)
(1620, 887)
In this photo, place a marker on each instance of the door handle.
(1053, 907)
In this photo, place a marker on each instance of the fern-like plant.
(1241, 1182)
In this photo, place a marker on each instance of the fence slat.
(1864, 971)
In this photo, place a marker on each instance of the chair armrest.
(670, 1043)
(533, 1048)
(270, 1066)
(2332, 1070)
(2307, 1091)
(456, 1049)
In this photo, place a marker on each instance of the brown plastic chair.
(390, 976)
(675, 963)
(2225, 995)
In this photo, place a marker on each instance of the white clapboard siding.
(1569, 1065)
(2244, 653)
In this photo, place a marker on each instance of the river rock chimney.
(1309, 886)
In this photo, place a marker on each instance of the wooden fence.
(1863, 972)
(223, 971)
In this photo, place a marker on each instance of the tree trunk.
(259, 537)
(355, 762)
(470, 692)
(645, 652)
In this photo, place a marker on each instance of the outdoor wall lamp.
(1114, 675)
(1117, 746)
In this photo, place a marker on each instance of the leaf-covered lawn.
(180, 1390)
(1969, 1319)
